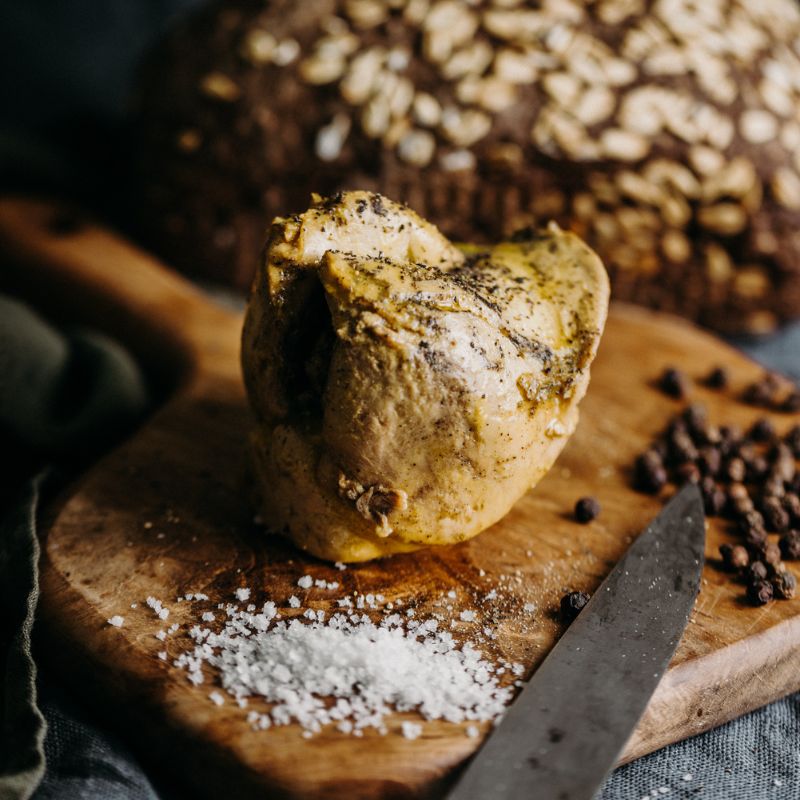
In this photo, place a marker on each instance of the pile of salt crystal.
(347, 670)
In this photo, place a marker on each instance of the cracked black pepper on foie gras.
(408, 391)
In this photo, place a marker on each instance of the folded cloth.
(63, 397)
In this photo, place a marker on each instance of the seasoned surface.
(408, 393)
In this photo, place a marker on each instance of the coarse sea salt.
(346, 670)
(116, 621)
(411, 730)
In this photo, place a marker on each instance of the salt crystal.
(340, 566)
(134, 605)
(305, 582)
(411, 730)
(472, 731)
(161, 635)
(529, 608)
(216, 698)
(116, 621)
(400, 664)
(294, 602)
(207, 616)
(162, 655)
(451, 594)
(467, 616)
(242, 594)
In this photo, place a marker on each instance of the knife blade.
(564, 732)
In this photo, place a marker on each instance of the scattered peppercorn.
(687, 472)
(734, 557)
(651, 475)
(783, 466)
(757, 571)
(751, 477)
(758, 394)
(675, 383)
(760, 592)
(776, 517)
(717, 378)
(587, 509)
(791, 404)
(768, 552)
(784, 584)
(763, 430)
(710, 461)
(714, 499)
(790, 545)
(791, 502)
(572, 604)
(734, 470)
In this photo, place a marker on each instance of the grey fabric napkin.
(62, 398)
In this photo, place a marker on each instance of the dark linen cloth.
(62, 397)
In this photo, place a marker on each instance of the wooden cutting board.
(166, 513)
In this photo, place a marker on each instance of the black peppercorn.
(755, 538)
(784, 584)
(751, 521)
(770, 553)
(734, 557)
(790, 545)
(717, 378)
(758, 394)
(713, 497)
(734, 470)
(687, 472)
(782, 460)
(587, 509)
(696, 416)
(791, 502)
(762, 430)
(757, 571)
(675, 383)
(760, 592)
(791, 404)
(572, 604)
(776, 517)
(650, 473)
(757, 468)
(682, 448)
(710, 461)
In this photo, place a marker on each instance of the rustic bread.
(667, 134)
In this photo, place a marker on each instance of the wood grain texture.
(184, 473)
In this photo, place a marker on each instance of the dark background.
(67, 71)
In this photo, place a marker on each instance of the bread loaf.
(667, 133)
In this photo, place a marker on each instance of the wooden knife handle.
(77, 271)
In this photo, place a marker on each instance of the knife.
(565, 731)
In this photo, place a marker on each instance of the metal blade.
(565, 731)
